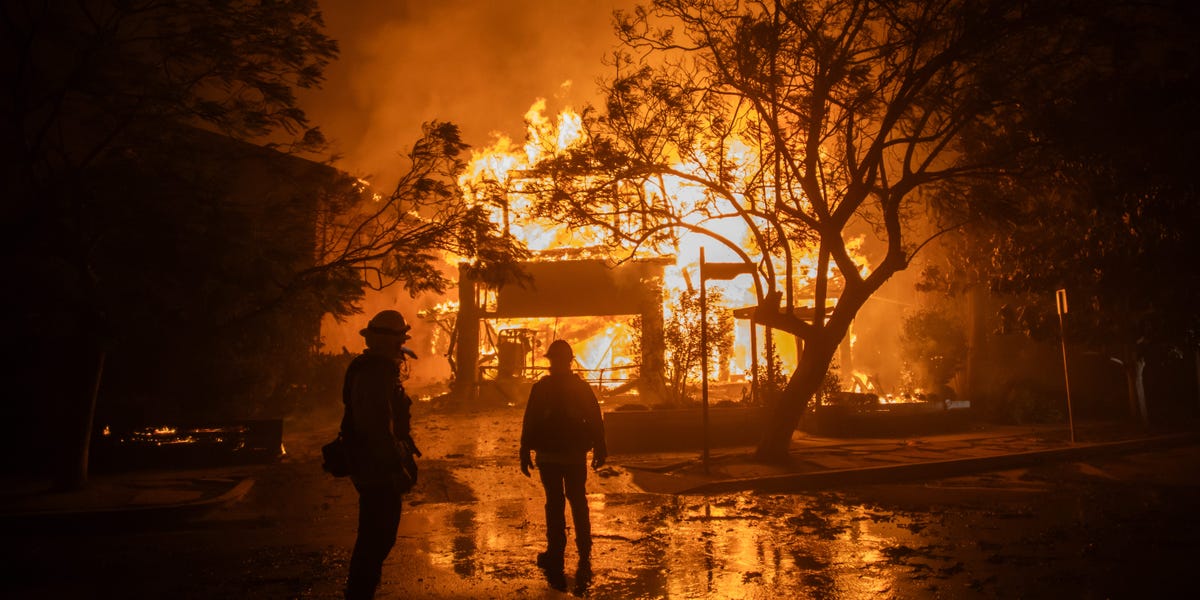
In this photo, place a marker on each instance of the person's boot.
(357, 589)
(550, 560)
(583, 576)
(551, 564)
(584, 569)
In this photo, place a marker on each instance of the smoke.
(477, 63)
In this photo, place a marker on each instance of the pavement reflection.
(473, 527)
(651, 546)
(485, 525)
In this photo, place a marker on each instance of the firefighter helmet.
(560, 349)
(387, 322)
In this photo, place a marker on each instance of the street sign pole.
(704, 360)
(715, 270)
(1061, 299)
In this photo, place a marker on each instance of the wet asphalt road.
(1121, 527)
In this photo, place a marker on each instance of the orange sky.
(477, 63)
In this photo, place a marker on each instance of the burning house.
(612, 303)
(624, 306)
(589, 289)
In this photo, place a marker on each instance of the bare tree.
(403, 238)
(804, 122)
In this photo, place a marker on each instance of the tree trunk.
(785, 415)
(975, 347)
(1196, 356)
(1139, 387)
(1134, 367)
(80, 388)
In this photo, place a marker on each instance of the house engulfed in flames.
(611, 308)
(587, 301)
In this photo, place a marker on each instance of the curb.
(931, 470)
(124, 515)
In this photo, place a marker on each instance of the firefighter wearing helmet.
(562, 424)
(376, 427)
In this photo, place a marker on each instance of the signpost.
(1061, 298)
(721, 270)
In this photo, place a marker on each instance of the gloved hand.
(526, 462)
(598, 460)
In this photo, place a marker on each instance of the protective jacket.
(563, 421)
(376, 424)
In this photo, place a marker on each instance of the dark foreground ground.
(1114, 527)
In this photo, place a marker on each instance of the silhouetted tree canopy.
(156, 198)
(1104, 202)
(807, 122)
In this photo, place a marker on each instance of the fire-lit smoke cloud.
(477, 63)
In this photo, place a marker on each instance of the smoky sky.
(477, 63)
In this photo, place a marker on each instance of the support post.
(467, 343)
